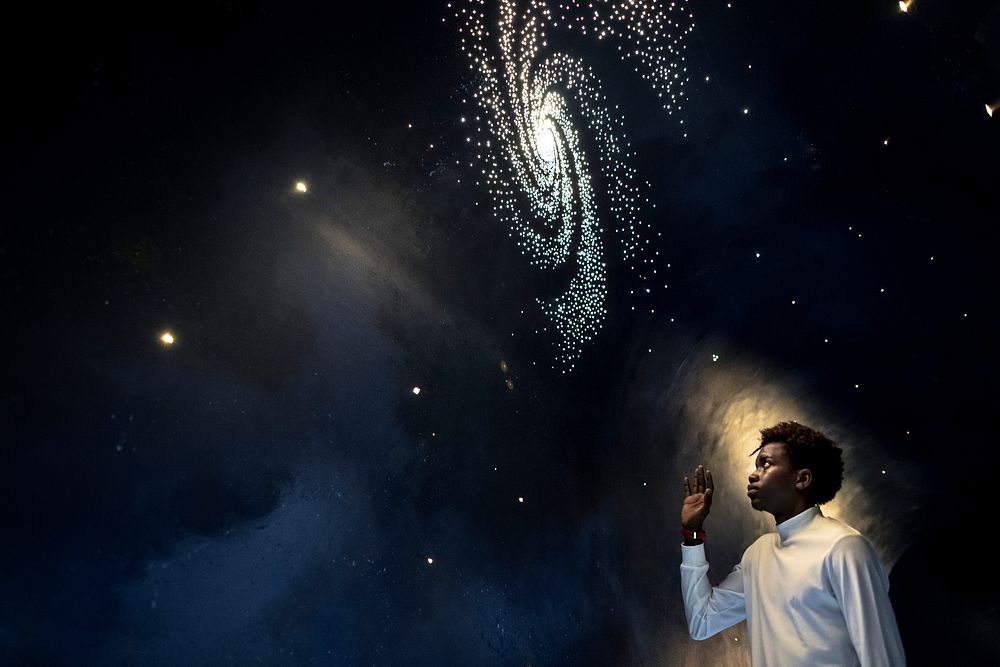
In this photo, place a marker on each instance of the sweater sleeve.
(859, 582)
(709, 609)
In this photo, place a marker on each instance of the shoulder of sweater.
(843, 541)
(767, 539)
(834, 527)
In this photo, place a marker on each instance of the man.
(813, 593)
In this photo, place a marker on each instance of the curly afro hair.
(808, 448)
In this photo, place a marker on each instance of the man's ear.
(803, 479)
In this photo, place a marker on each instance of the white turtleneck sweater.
(813, 594)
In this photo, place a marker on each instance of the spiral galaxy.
(546, 131)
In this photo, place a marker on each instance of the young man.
(814, 592)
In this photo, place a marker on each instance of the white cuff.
(693, 555)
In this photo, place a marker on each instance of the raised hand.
(697, 499)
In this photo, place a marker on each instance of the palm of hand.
(694, 510)
(697, 499)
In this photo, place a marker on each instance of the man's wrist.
(692, 537)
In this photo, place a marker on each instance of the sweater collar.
(789, 527)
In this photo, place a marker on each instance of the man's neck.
(797, 510)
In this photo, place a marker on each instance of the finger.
(699, 483)
(687, 487)
(709, 482)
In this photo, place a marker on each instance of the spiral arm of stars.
(535, 104)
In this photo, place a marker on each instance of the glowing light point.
(300, 186)
(883, 472)
(520, 499)
(715, 358)
(990, 108)
(746, 110)
(416, 391)
(885, 142)
(167, 338)
(430, 561)
(904, 5)
(757, 254)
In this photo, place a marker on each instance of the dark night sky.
(269, 489)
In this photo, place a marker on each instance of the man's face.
(772, 483)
